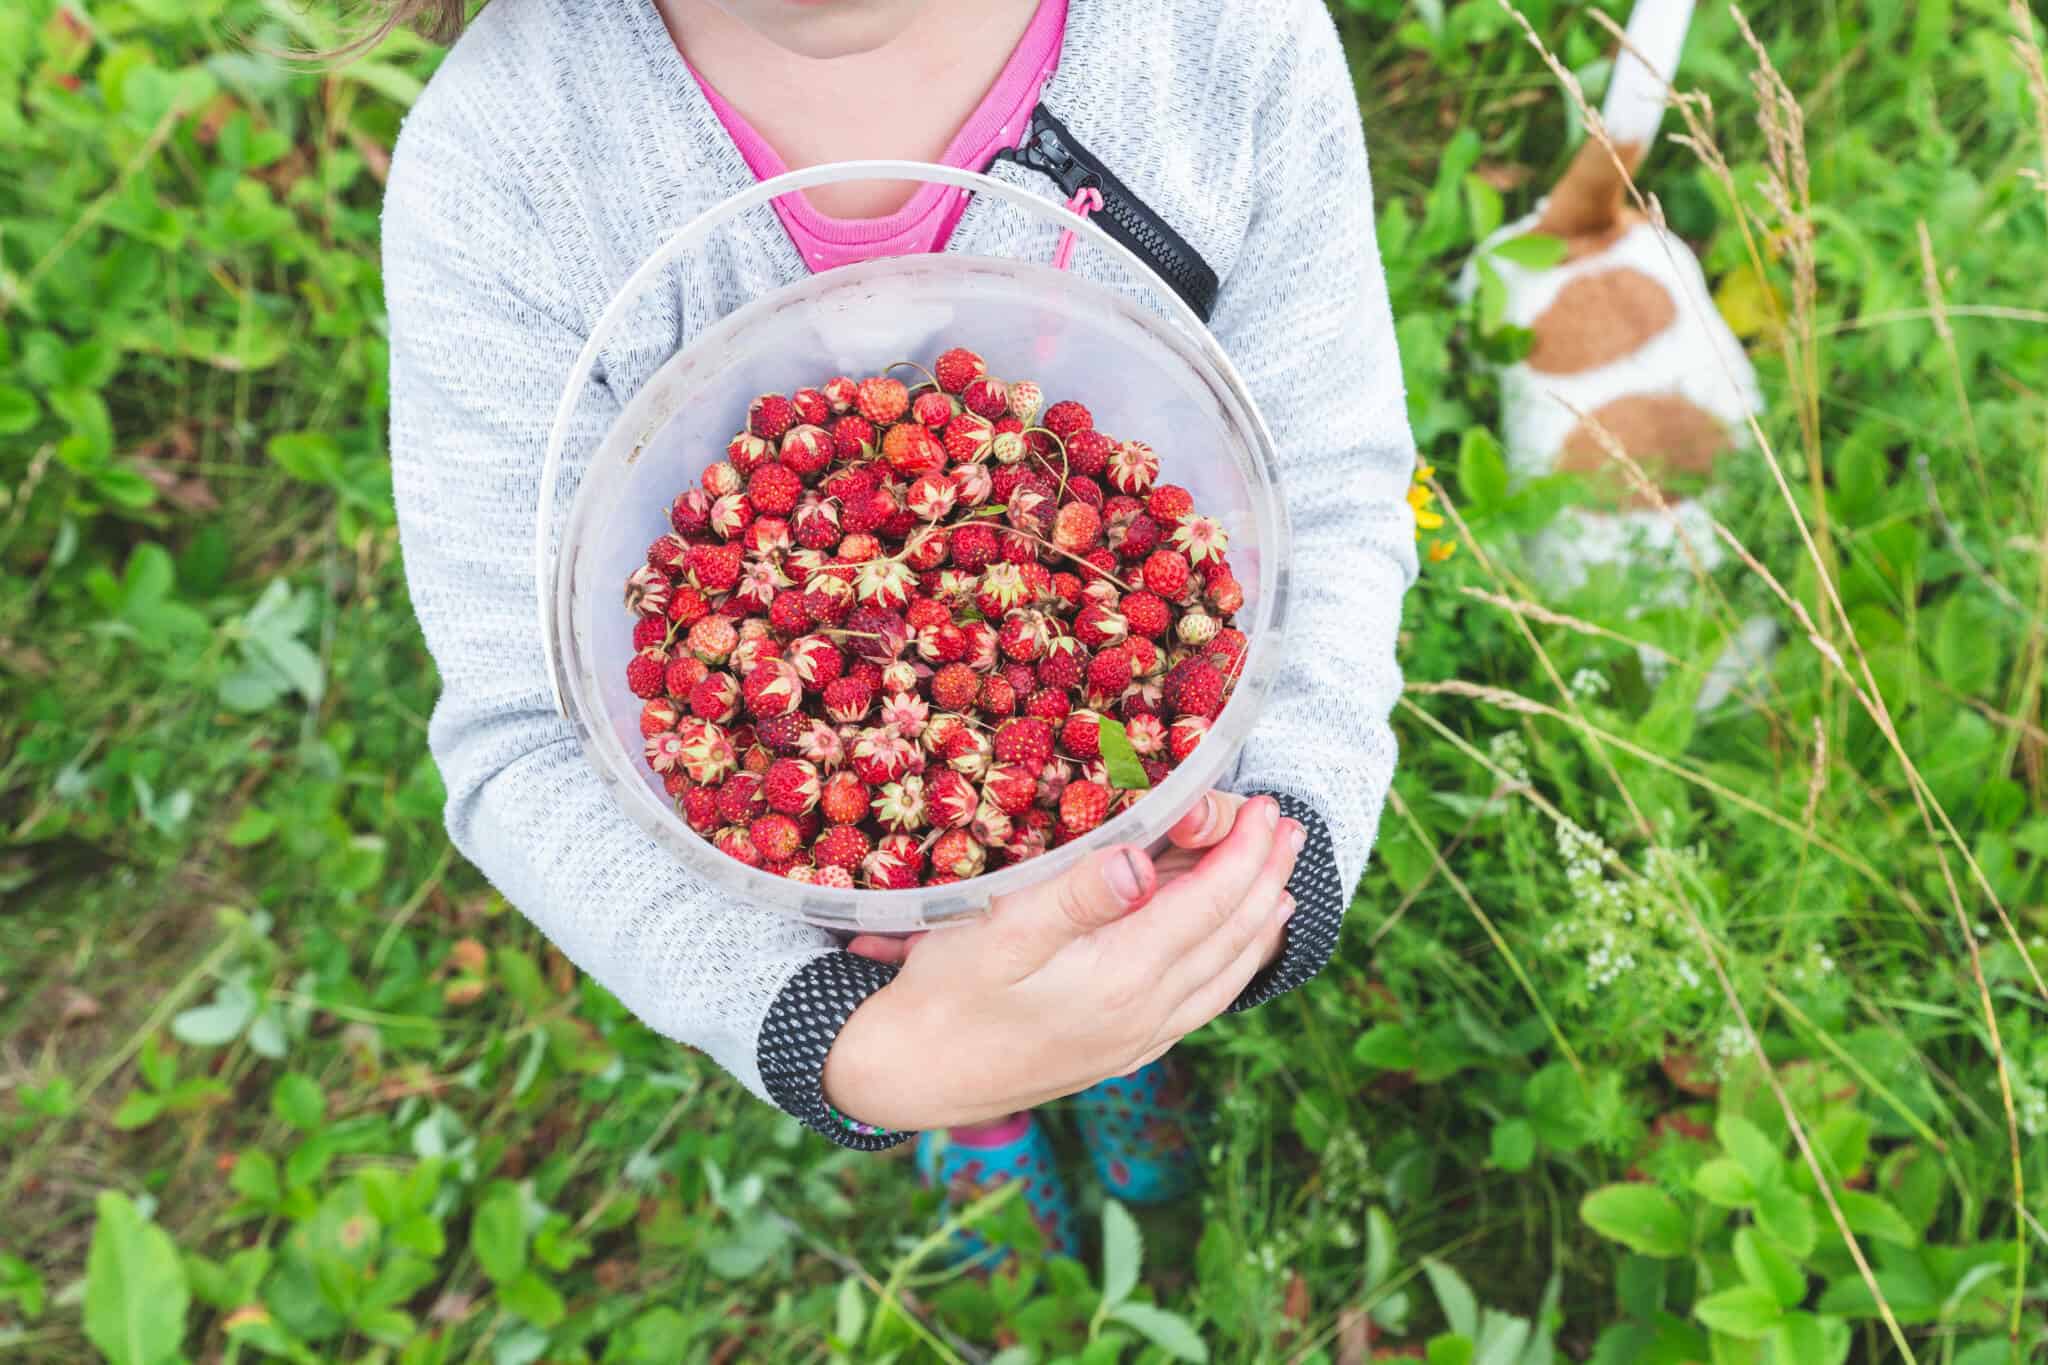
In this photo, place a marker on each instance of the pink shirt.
(999, 122)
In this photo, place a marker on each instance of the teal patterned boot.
(1137, 1130)
(968, 1163)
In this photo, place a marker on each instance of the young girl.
(558, 145)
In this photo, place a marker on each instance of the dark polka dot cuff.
(800, 1028)
(1320, 899)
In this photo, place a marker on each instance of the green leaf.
(1747, 1144)
(1123, 1249)
(1768, 1268)
(1640, 1217)
(1482, 472)
(1170, 1332)
(1454, 1296)
(307, 455)
(1724, 1181)
(252, 827)
(138, 1110)
(1387, 1047)
(218, 1022)
(1744, 1311)
(298, 1100)
(1787, 1217)
(534, 1299)
(1450, 1349)
(135, 1290)
(18, 410)
(1532, 250)
(1803, 1339)
(255, 1177)
(1492, 298)
(20, 1283)
(1126, 772)
(1869, 1216)
(498, 1234)
(1514, 1145)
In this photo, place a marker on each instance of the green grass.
(280, 1075)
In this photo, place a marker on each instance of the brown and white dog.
(1626, 335)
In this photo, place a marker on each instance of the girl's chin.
(826, 28)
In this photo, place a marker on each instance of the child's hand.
(1086, 977)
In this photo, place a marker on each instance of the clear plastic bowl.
(1141, 375)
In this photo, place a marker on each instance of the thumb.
(1100, 891)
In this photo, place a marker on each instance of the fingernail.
(1286, 907)
(1271, 812)
(1122, 874)
(1297, 837)
(1211, 807)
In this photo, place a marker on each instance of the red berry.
(882, 400)
(1076, 527)
(954, 687)
(1064, 419)
(1110, 672)
(807, 449)
(645, 672)
(716, 568)
(843, 799)
(987, 397)
(841, 846)
(776, 837)
(649, 632)
(1166, 573)
(997, 697)
(770, 415)
(700, 808)
(1169, 503)
(1064, 665)
(772, 688)
(811, 406)
(853, 438)
(1049, 704)
(1088, 453)
(1146, 613)
(791, 787)
(1083, 806)
(1184, 734)
(957, 368)
(1081, 736)
(1012, 787)
(774, 489)
(715, 697)
(931, 410)
(687, 605)
(657, 715)
(1027, 740)
(740, 799)
(690, 513)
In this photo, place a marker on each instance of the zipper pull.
(1045, 153)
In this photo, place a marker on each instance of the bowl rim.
(577, 673)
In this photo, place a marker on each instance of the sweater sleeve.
(483, 334)
(1305, 316)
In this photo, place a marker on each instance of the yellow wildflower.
(1442, 550)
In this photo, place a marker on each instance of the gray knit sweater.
(559, 144)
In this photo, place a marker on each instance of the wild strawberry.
(1012, 787)
(957, 368)
(708, 752)
(841, 393)
(997, 697)
(987, 396)
(664, 751)
(956, 853)
(716, 568)
(1025, 740)
(922, 613)
(1195, 689)
(903, 712)
(1007, 448)
(776, 837)
(1201, 539)
(931, 410)
(722, 479)
(853, 438)
(1076, 528)
(1098, 626)
(715, 697)
(1166, 573)
(881, 756)
(1184, 734)
(1081, 736)
(1225, 594)
(1134, 538)
(954, 687)
(965, 443)
(811, 406)
(968, 753)
(1133, 466)
(1147, 735)
(772, 688)
(973, 547)
(1022, 677)
(754, 647)
(828, 599)
(1088, 453)
(841, 846)
(780, 735)
(736, 843)
(1146, 659)
(760, 580)
(1049, 704)
(1024, 634)
(1002, 590)
(983, 644)
(690, 513)
(991, 825)
(816, 522)
(1064, 666)
(911, 450)
(1083, 806)
(1026, 398)
(647, 591)
(899, 806)
(1097, 565)
(740, 799)
(885, 583)
(713, 639)
(882, 400)
(667, 553)
(786, 612)
(807, 873)
(949, 798)
(1064, 419)
(1109, 673)
(847, 700)
(819, 744)
(699, 808)
(1169, 503)
(843, 799)
(1227, 650)
(731, 515)
(685, 671)
(767, 536)
(658, 714)
(791, 787)
(932, 497)
(944, 643)
(895, 865)
(650, 632)
(645, 672)
(1146, 613)
(770, 415)
(817, 660)
(807, 449)
(1195, 628)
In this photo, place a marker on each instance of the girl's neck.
(903, 100)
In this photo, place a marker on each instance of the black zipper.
(1051, 150)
